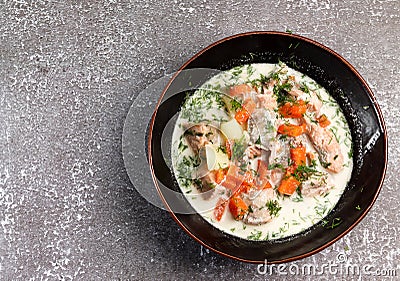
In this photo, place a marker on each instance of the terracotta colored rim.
(382, 123)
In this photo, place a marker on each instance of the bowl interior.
(358, 104)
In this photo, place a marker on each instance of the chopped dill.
(255, 235)
(235, 104)
(334, 223)
(275, 166)
(350, 153)
(182, 147)
(304, 88)
(282, 93)
(221, 148)
(238, 149)
(273, 207)
(303, 172)
(325, 164)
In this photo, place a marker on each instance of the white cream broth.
(297, 212)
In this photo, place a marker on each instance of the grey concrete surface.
(69, 71)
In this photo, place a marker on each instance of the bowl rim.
(302, 38)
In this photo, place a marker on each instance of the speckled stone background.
(69, 72)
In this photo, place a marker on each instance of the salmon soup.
(262, 151)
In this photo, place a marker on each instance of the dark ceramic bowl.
(354, 96)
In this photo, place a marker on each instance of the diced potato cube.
(216, 159)
(232, 129)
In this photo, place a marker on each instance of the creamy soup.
(262, 151)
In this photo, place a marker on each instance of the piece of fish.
(262, 127)
(326, 145)
(253, 151)
(199, 135)
(276, 176)
(267, 100)
(208, 187)
(280, 152)
(257, 200)
(314, 103)
(315, 185)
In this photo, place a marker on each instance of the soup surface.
(262, 151)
